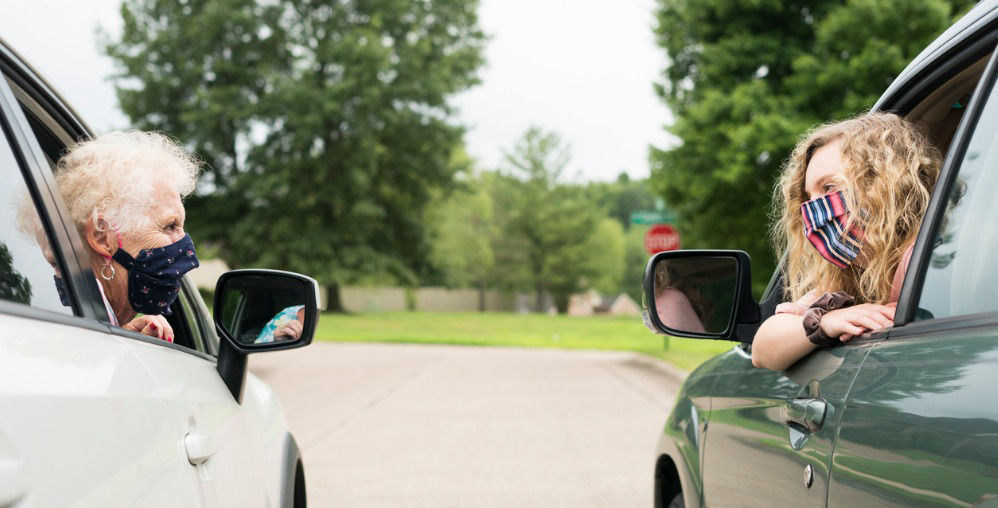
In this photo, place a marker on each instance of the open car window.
(939, 113)
(53, 137)
(961, 277)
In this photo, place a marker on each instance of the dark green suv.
(904, 416)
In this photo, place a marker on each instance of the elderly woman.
(124, 192)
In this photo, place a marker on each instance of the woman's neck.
(115, 291)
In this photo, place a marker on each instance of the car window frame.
(911, 290)
(202, 317)
(960, 52)
(68, 247)
(48, 204)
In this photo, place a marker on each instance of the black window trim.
(911, 290)
(49, 205)
(203, 319)
(926, 80)
(42, 92)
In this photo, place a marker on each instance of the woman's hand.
(856, 320)
(288, 331)
(153, 326)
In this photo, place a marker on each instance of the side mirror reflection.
(266, 309)
(695, 295)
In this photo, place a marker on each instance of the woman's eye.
(171, 227)
(828, 188)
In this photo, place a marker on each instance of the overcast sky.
(583, 68)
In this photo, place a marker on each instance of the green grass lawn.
(525, 330)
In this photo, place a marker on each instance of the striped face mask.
(825, 219)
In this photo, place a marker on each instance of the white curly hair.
(113, 175)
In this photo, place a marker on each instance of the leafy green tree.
(606, 249)
(546, 224)
(13, 285)
(463, 230)
(747, 78)
(199, 70)
(326, 124)
(622, 197)
(635, 259)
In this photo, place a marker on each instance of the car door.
(82, 422)
(771, 434)
(922, 422)
(216, 428)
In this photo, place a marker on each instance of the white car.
(93, 415)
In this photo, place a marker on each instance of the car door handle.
(808, 414)
(199, 448)
(13, 484)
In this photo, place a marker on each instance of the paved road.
(436, 426)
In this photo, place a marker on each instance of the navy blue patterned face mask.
(154, 276)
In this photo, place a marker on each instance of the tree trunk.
(539, 300)
(333, 301)
(481, 296)
(561, 302)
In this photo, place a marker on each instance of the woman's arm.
(781, 341)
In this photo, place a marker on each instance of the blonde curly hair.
(112, 177)
(890, 170)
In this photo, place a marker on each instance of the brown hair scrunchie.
(812, 317)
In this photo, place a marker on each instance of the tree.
(606, 248)
(463, 230)
(746, 79)
(622, 197)
(326, 124)
(545, 223)
(13, 285)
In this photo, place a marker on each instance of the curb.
(675, 373)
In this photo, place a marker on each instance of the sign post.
(660, 238)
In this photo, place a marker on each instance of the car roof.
(38, 79)
(964, 31)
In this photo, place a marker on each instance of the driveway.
(435, 426)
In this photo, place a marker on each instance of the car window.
(962, 275)
(29, 272)
(186, 328)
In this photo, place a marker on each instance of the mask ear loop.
(107, 259)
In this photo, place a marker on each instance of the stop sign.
(661, 237)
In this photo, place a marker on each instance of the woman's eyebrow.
(820, 184)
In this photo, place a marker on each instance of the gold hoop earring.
(103, 271)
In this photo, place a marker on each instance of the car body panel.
(921, 426)
(201, 405)
(747, 427)
(682, 438)
(88, 424)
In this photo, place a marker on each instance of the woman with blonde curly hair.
(124, 192)
(847, 209)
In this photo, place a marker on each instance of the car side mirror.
(266, 310)
(703, 294)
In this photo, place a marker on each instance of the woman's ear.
(100, 240)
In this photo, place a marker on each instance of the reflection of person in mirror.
(849, 203)
(286, 325)
(679, 306)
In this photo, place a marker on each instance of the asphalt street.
(437, 426)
